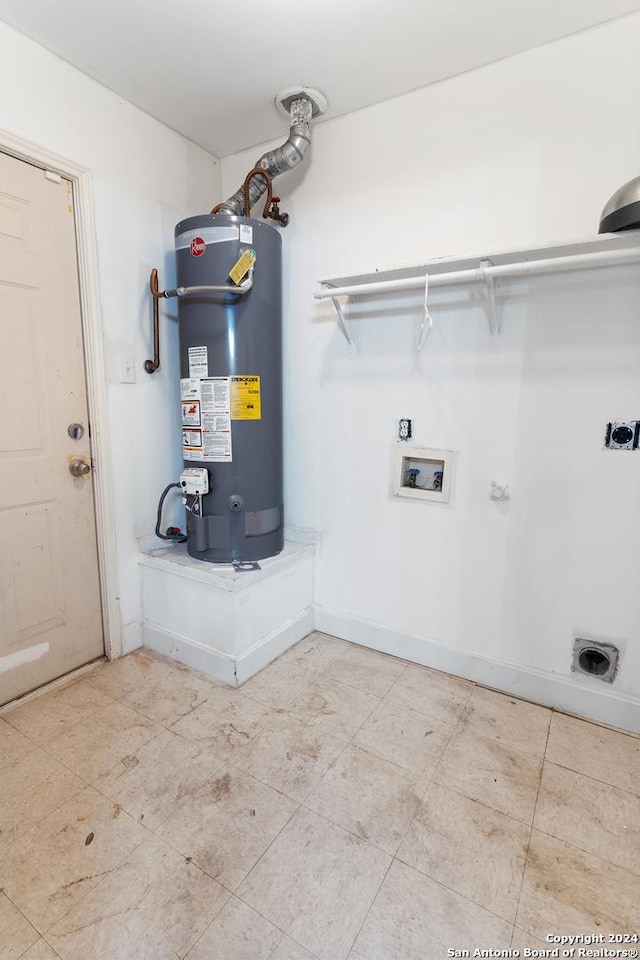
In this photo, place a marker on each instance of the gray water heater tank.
(231, 388)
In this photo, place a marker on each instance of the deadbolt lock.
(78, 468)
(75, 431)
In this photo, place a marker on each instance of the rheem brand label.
(198, 246)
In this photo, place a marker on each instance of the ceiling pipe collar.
(285, 98)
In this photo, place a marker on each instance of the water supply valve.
(274, 213)
(412, 477)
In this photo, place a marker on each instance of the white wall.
(525, 150)
(145, 178)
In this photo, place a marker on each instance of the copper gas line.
(152, 365)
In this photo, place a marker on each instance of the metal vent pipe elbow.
(277, 161)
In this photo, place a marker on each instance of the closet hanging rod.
(522, 268)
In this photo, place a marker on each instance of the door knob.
(78, 468)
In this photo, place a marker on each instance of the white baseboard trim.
(584, 699)
(190, 652)
(265, 651)
(231, 670)
(131, 637)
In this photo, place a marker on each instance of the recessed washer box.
(421, 473)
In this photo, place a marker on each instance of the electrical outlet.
(126, 368)
(622, 435)
(404, 429)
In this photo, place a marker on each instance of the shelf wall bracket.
(490, 291)
(342, 323)
(426, 322)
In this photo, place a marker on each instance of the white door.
(50, 616)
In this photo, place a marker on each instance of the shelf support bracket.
(342, 323)
(426, 322)
(490, 290)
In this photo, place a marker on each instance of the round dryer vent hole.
(594, 661)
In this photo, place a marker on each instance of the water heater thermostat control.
(195, 481)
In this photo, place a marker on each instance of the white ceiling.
(211, 68)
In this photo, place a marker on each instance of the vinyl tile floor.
(342, 803)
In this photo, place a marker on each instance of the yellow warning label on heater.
(245, 398)
(242, 266)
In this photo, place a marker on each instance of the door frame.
(94, 363)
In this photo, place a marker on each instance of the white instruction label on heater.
(189, 390)
(212, 397)
(198, 362)
(246, 233)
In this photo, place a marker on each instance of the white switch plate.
(126, 368)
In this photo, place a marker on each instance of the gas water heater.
(231, 388)
(229, 291)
